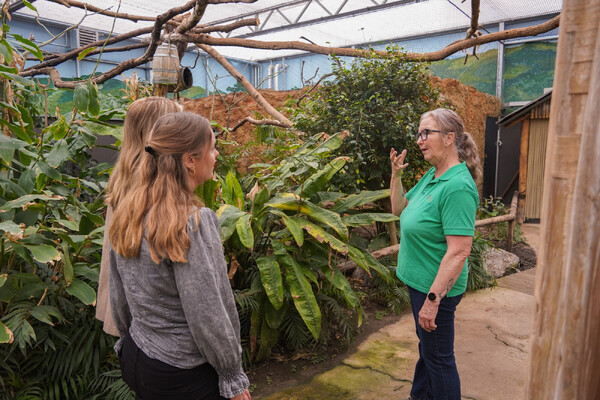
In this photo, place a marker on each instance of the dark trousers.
(151, 379)
(436, 376)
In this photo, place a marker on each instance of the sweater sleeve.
(209, 305)
(118, 301)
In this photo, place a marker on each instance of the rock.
(497, 261)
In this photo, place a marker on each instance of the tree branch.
(86, 6)
(247, 85)
(433, 56)
(272, 122)
(228, 27)
(192, 20)
(474, 19)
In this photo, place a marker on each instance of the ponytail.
(468, 153)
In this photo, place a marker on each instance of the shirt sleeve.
(458, 213)
(209, 305)
(118, 301)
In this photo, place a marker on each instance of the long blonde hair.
(139, 120)
(449, 121)
(160, 202)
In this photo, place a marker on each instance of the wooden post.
(523, 159)
(565, 351)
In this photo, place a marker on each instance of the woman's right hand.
(245, 395)
(397, 160)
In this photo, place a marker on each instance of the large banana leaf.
(228, 219)
(339, 281)
(268, 339)
(244, 231)
(232, 191)
(270, 276)
(321, 235)
(303, 296)
(292, 225)
(365, 260)
(207, 192)
(332, 143)
(355, 200)
(368, 218)
(318, 180)
(292, 202)
(274, 316)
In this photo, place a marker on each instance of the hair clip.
(150, 150)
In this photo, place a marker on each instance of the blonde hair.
(449, 121)
(140, 117)
(160, 202)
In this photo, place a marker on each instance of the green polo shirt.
(436, 208)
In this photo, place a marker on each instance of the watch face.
(431, 296)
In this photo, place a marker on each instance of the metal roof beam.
(286, 7)
(17, 5)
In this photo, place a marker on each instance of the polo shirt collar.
(453, 171)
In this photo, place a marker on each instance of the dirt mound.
(228, 110)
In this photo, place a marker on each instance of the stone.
(497, 261)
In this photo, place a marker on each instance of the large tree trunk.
(565, 353)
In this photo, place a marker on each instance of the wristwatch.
(431, 296)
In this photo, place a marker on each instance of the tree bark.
(565, 352)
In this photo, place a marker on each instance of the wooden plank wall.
(536, 161)
(565, 350)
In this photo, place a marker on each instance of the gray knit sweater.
(182, 314)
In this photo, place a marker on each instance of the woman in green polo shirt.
(437, 222)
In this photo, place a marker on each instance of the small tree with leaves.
(380, 101)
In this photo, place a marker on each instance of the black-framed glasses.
(424, 134)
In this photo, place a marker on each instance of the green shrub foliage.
(380, 101)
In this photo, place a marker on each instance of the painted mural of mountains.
(528, 69)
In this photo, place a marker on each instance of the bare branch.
(86, 6)
(247, 85)
(228, 27)
(272, 122)
(433, 56)
(474, 19)
(192, 20)
(313, 88)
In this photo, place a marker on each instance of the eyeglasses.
(424, 134)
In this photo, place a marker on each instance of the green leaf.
(82, 291)
(6, 51)
(10, 227)
(3, 279)
(72, 225)
(6, 335)
(27, 180)
(268, 339)
(85, 52)
(235, 190)
(228, 218)
(43, 253)
(15, 77)
(49, 171)
(59, 128)
(356, 200)
(207, 192)
(29, 46)
(67, 266)
(81, 97)
(366, 261)
(339, 281)
(23, 201)
(290, 201)
(244, 231)
(318, 180)
(275, 316)
(29, 5)
(270, 276)
(44, 313)
(303, 296)
(293, 227)
(8, 146)
(321, 235)
(94, 104)
(58, 154)
(368, 218)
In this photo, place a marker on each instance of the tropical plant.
(285, 240)
(51, 226)
(380, 101)
(494, 207)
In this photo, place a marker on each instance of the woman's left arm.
(459, 248)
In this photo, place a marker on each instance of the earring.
(192, 171)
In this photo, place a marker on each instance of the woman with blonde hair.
(170, 294)
(437, 223)
(140, 117)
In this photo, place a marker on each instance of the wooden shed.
(533, 119)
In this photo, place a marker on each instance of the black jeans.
(436, 376)
(151, 379)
